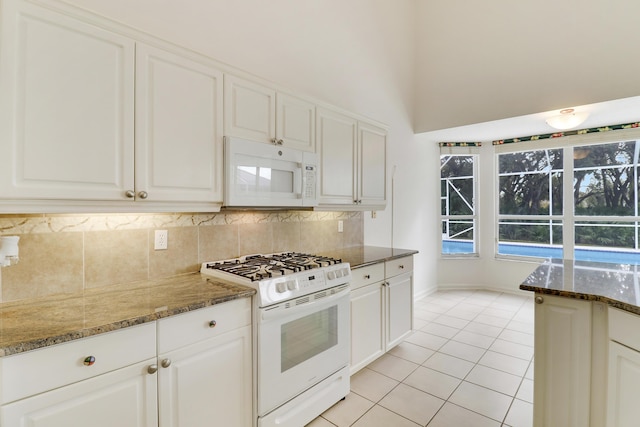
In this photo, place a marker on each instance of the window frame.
(568, 218)
(474, 217)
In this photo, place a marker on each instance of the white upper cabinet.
(296, 122)
(178, 127)
(66, 107)
(250, 110)
(259, 113)
(89, 117)
(337, 144)
(372, 165)
(352, 162)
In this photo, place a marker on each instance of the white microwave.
(263, 175)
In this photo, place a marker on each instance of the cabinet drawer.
(398, 266)
(37, 371)
(366, 275)
(188, 328)
(623, 328)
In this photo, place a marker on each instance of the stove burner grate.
(259, 267)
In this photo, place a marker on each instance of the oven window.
(303, 338)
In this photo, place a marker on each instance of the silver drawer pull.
(401, 267)
(89, 361)
(212, 324)
(166, 363)
(367, 276)
(152, 369)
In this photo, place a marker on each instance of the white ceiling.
(604, 113)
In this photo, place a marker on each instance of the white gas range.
(301, 332)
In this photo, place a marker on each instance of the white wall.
(486, 60)
(357, 54)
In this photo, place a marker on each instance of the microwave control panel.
(309, 182)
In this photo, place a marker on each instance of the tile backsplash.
(69, 253)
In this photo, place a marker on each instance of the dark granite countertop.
(362, 256)
(618, 285)
(36, 323)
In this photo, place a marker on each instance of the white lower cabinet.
(125, 397)
(624, 386)
(367, 325)
(381, 309)
(189, 370)
(562, 366)
(81, 382)
(624, 370)
(204, 367)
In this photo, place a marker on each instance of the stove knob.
(292, 285)
(281, 287)
(331, 275)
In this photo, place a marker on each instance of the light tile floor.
(469, 362)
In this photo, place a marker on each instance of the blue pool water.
(453, 247)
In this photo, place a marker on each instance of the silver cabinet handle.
(539, 300)
(143, 194)
(401, 267)
(213, 324)
(130, 194)
(276, 141)
(367, 276)
(166, 363)
(152, 369)
(89, 361)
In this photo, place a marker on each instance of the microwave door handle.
(298, 181)
(267, 315)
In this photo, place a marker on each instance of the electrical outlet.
(160, 241)
(340, 226)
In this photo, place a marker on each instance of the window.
(530, 202)
(606, 196)
(457, 196)
(597, 219)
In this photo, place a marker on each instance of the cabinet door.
(249, 110)
(399, 291)
(207, 383)
(562, 362)
(372, 166)
(178, 128)
(367, 325)
(126, 397)
(624, 386)
(337, 140)
(66, 107)
(296, 122)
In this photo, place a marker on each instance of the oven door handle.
(267, 314)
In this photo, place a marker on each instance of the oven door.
(300, 343)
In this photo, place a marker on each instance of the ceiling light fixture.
(567, 119)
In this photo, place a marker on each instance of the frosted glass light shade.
(567, 119)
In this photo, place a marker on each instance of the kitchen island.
(587, 349)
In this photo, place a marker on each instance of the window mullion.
(568, 209)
